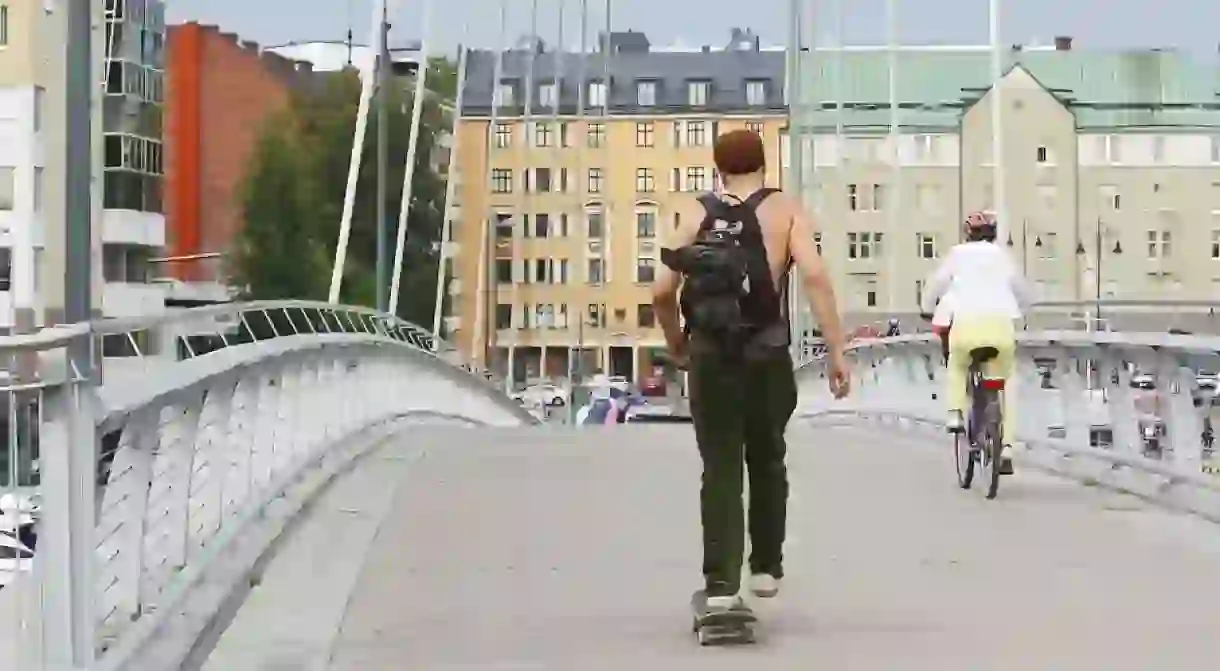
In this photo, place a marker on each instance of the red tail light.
(993, 384)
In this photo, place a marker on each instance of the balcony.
(146, 229)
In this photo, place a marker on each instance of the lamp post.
(1099, 232)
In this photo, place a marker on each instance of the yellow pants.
(970, 333)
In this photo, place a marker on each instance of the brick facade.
(220, 92)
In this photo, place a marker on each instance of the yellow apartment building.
(570, 169)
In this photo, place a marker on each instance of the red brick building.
(219, 93)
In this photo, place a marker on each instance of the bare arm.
(815, 277)
(665, 287)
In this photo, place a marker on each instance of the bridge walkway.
(454, 548)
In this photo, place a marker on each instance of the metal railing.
(149, 486)
(1133, 411)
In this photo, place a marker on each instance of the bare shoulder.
(783, 212)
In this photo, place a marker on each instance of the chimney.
(1063, 43)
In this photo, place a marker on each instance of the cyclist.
(988, 295)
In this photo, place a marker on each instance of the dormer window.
(756, 92)
(506, 93)
(597, 94)
(698, 93)
(548, 94)
(646, 93)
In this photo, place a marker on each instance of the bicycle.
(982, 440)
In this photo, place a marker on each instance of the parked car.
(15, 558)
(542, 394)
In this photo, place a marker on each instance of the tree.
(277, 254)
(295, 190)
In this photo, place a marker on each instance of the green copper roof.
(1110, 90)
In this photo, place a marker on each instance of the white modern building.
(330, 56)
(129, 223)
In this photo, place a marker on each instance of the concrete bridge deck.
(563, 549)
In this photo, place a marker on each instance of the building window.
(1159, 244)
(755, 127)
(918, 291)
(548, 94)
(865, 197)
(696, 133)
(866, 245)
(595, 224)
(1215, 243)
(504, 135)
(926, 242)
(540, 271)
(504, 271)
(7, 188)
(645, 270)
(501, 180)
(1041, 155)
(646, 93)
(644, 181)
(696, 179)
(597, 94)
(595, 180)
(817, 242)
(925, 148)
(542, 180)
(504, 316)
(1110, 148)
(1110, 198)
(756, 92)
(3, 25)
(644, 134)
(697, 93)
(1215, 148)
(542, 225)
(504, 227)
(593, 274)
(596, 135)
(645, 316)
(505, 95)
(597, 316)
(542, 134)
(870, 298)
(1158, 148)
(646, 224)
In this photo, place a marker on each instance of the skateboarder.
(731, 257)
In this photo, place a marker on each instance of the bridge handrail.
(199, 463)
(1128, 410)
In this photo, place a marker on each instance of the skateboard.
(735, 626)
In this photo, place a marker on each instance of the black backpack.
(727, 292)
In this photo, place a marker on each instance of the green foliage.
(293, 201)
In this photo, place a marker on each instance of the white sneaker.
(764, 585)
(954, 422)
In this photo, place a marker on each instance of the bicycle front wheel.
(963, 456)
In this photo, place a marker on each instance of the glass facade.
(135, 95)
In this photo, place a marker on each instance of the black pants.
(740, 411)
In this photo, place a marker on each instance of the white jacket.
(978, 279)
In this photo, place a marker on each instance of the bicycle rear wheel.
(991, 443)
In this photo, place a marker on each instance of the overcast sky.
(1189, 24)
